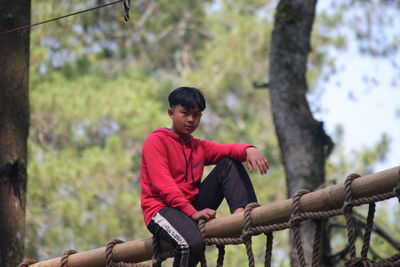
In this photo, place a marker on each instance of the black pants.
(229, 180)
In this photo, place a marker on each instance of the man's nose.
(190, 117)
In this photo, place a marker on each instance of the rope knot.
(347, 185)
(296, 200)
(64, 257)
(202, 226)
(109, 248)
(358, 262)
(295, 221)
(347, 207)
(27, 262)
(247, 231)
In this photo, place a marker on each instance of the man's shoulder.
(160, 132)
(153, 136)
(162, 136)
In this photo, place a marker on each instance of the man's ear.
(170, 112)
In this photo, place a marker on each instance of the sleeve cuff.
(244, 155)
(247, 146)
(189, 210)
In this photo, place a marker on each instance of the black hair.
(188, 97)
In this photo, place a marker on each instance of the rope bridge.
(239, 228)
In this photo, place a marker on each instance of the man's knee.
(228, 161)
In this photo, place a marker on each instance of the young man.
(173, 197)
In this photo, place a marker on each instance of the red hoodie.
(171, 169)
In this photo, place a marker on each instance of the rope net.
(296, 218)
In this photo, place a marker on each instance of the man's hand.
(256, 160)
(206, 214)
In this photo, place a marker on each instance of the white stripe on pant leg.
(183, 245)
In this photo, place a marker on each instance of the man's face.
(184, 121)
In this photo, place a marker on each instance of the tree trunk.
(303, 143)
(14, 125)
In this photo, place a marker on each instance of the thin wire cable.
(57, 18)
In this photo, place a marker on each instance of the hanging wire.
(127, 4)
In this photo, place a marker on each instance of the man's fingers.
(249, 166)
(253, 164)
(208, 214)
(212, 215)
(258, 164)
(264, 166)
(267, 163)
(261, 166)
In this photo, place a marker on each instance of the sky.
(364, 112)
(365, 107)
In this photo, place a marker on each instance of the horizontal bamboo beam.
(331, 197)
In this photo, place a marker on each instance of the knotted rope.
(111, 262)
(347, 209)
(27, 262)
(294, 222)
(248, 231)
(64, 257)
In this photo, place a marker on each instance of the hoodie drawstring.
(188, 162)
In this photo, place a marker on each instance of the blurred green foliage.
(99, 86)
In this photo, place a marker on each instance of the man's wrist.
(250, 148)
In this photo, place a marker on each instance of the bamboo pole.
(331, 197)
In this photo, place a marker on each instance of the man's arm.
(241, 152)
(214, 151)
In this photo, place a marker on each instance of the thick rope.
(295, 225)
(317, 243)
(268, 249)
(110, 261)
(27, 262)
(294, 222)
(368, 230)
(203, 262)
(221, 255)
(64, 257)
(348, 213)
(246, 233)
(109, 248)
